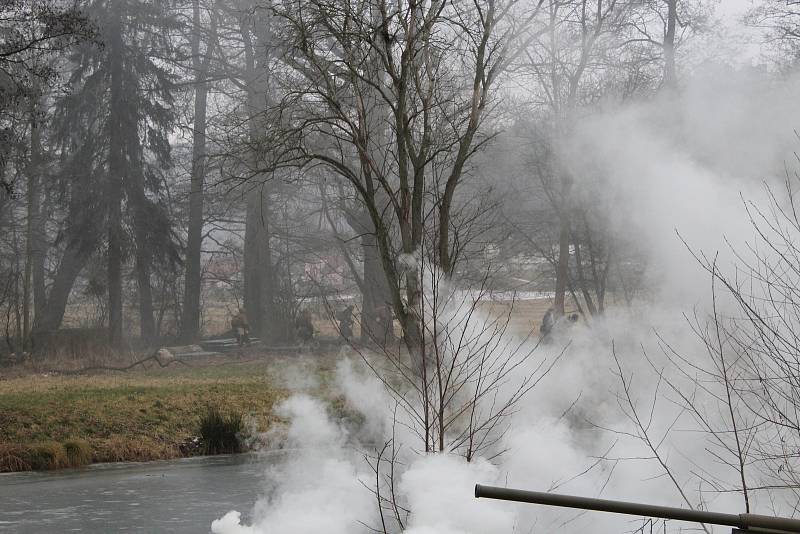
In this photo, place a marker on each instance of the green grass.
(124, 416)
(221, 433)
(78, 452)
(50, 455)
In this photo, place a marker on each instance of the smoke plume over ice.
(317, 489)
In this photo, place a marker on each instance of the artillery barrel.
(748, 522)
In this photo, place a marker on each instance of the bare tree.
(478, 372)
(34, 34)
(591, 51)
(201, 63)
(431, 68)
(762, 375)
(741, 393)
(564, 64)
(781, 20)
(663, 26)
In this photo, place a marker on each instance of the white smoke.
(669, 166)
(683, 166)
(440, 491)
(317, 489)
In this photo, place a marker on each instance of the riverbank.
(54, 421)
(51, 420)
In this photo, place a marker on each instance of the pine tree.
(122, 104)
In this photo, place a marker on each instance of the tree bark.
(32, 227)
(587, 296)
(253, 261)
(375, 294)
(371, 279)
(564, 235)
(116, 169)
(72, 263)
(190, 322)
(18, 274)
(562, 268)
(38, 255)
(260, 281)
(670, 77)
(147, 324)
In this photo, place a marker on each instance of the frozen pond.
(179, 496)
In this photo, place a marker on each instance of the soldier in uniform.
(385, 325)
(240, 325)
(345, 318)
(304, 327)
(548, 322)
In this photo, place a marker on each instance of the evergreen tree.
(119, 118)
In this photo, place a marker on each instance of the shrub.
(124, 449)
(78, 452)
(13, 458)
(49, 455)
(220, 433)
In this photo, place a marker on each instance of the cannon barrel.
(746, 522)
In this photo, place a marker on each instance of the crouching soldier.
(548, 322)
(241, 327)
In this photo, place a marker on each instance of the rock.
(164, 355)
(184, 349)
(191, 446)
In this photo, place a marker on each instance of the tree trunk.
(375, 295)
(254, 236)
(670, 77)
(265, 318)
(147, 324)
(406, 313)
(18, 274)
(116, 169)
(562, 268)
(412, 321)
(72, 263)
(371, 280)
(260, 281)
(583, 285)
(562, 206)
(38, 255)
(190, 322)
(31, 223)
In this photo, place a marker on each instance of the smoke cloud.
(674, 169)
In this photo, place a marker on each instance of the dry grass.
(49, 420)
(144, 449)
(48, 455)
(133, 416)
(78, 452)
(44, 456)
(13, 458)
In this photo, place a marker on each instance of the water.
(179, 496)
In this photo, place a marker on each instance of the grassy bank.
(61, 421)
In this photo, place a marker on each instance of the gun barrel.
(751, 522)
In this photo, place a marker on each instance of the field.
(132, 416)
(155, 413)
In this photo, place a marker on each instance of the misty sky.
(732, 8)
(747, 41)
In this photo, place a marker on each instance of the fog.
(547, 245)
(678, 170)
